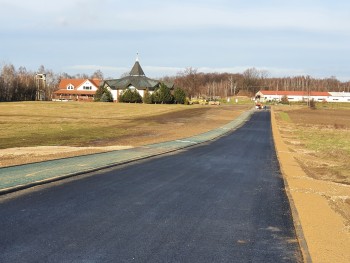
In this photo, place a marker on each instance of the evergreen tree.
(163, 95)
(179, 96)
(99, 93)
(156, 97)
(131, 96)
(103, 94)
(147, 97)
(107, 97)
(136, 97)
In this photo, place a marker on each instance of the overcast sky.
(287, 38)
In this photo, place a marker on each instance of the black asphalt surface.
(222, 201)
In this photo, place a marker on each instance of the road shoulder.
(321, 231)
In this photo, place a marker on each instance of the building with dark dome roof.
(135, 80)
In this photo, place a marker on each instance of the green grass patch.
(333, 105)
(284, 116)
(327, 141)
(238, 101)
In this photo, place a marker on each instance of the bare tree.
(188, 81)
(8, 80)
(97, 75)
(252, 80)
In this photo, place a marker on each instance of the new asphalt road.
(222, 201)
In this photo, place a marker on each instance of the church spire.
(136, 69)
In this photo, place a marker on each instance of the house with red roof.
(76, 90)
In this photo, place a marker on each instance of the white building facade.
(300, 96)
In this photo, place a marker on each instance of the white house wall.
(142, 92)
(114, 94)
(87, 83)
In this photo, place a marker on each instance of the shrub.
(284, 100)
(162, 95)
(179, 96)
(106, 97)
(147, 97)
(103, 94)
(312, 104)
(131, 96)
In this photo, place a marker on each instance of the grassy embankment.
(74, 124)
(24, 124)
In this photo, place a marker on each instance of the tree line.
(198, 84)
(20, 84)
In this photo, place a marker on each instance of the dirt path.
(325, 230)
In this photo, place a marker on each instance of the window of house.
(70, 87)
(87, 87)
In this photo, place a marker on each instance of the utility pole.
(308, 90)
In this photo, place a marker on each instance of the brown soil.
(318, 183)
(141, 131)
(329, 164)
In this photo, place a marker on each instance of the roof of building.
(137, 70)
(137, 79)
(77, 82)
(139, 82)
(294, 93)
(340, 94)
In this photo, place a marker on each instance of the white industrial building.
(299, 96)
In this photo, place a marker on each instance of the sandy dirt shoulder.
(325, 231)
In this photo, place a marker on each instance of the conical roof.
(136, 70)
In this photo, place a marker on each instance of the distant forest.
(21, 84)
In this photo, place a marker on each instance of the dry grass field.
(36, 131)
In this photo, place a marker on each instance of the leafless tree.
(97, 75)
